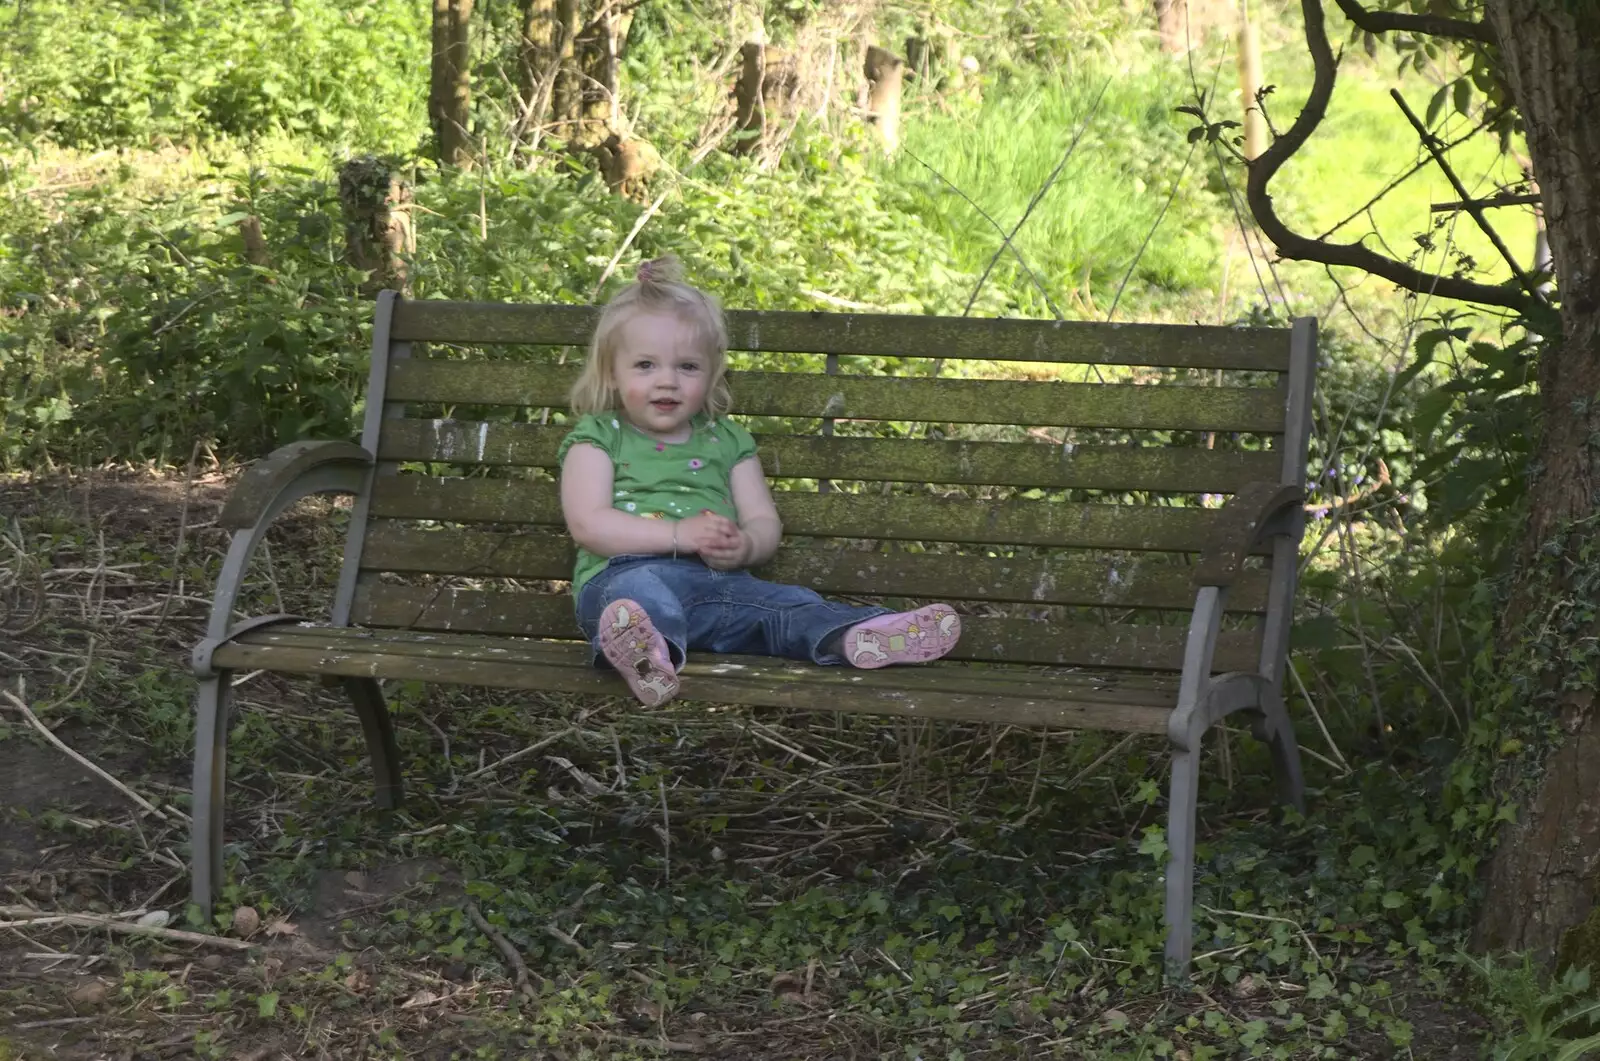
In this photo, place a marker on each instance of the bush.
(127, 72)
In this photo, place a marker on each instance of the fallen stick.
(44, 731)
(518, 966)
(514, 756)
(24, 915)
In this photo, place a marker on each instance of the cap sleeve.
(744, 443)
(602, 430)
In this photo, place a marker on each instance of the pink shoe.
(904, 637)
(633, 645)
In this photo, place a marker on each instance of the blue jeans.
(699, 608)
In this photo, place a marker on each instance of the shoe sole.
(627, 638)
(904, 637)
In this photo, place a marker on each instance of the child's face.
(660, 374)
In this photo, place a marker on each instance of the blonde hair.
(658, 286)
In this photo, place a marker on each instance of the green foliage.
(137, 327)
(1539, 1018)
(130, 71)
(1090, 228)
(140, 329)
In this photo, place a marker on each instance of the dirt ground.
(104, 583)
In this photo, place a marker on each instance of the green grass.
(1365, 142)
(1087, 229)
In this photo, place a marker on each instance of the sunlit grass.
(1088, 228)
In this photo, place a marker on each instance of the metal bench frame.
(1260, 513)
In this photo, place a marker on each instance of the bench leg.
(367, 697)
(1274, 729)
(208, 791)
(1180, 861)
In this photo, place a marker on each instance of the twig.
(1005, 239)
(1291, 244)
(894, 965)
(638, 225)
(557, 934)
(127, 928)
(44, 731)
(176, 586)
(670, 1045)
(761, 732)
(532, 749)
(519, 968)
(1038, 195)
(1530, 199)
(622, 767)
(1305, 694)
(1148, 236)
(1268, 917)
(666, 832)
(1474, 209)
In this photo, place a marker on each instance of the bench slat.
(792, 688)
(1119, 646)
(877, 334)
(1125, 582)
(916, 460)
(1044, 683)
(838, 515)
(1158, 407)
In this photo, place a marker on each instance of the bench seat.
(1009, 695)
(1117, 521)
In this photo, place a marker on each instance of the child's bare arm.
(758, 516)
(586, 480)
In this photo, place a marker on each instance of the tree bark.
(450, 89)
(1172, 25)
(885, 79)
(598, 49)
(566, 101)
(768, 86)
(1543, 878)
(378, 236)
(1255, 124)
(538, 58)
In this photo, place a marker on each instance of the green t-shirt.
(662, 480)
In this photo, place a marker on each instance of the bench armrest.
(1254, 514)
(252, 499)
(265, 490)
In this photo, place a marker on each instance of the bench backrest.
(1077, 502)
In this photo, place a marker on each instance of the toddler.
(668, 504)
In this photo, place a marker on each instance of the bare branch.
(1497, 200)
(1430, 142)
(1292, 245)
(1432, 25)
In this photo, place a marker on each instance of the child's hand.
(731, 556)
(708, 534)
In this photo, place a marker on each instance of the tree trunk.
(1255, 124)
(538, 58)
(885, 78)
(378, 237)
(566, 101)
(450, 90)
(768, 86)
(1543, 878)
(598, 50)
(1172, 24)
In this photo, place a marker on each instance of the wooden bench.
(1079, 526)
